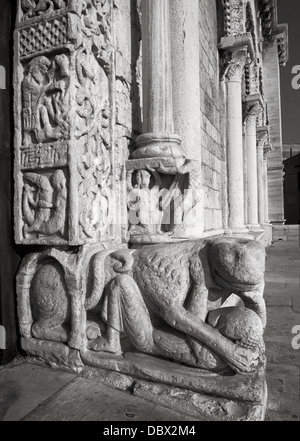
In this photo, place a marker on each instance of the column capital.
(262, 137)
(237, 61)
(252, 111)
(267, 149)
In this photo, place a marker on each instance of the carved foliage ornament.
(252, 113)
(64, 142)
(38, 8)
(234, 11)
(236, 65)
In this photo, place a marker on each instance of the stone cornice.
(238, 42)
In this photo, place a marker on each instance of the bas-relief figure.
(45, 100)
(45, 203)
(158, 207)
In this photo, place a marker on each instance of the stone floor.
(282, 296)
(33, 393)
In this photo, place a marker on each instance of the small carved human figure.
(44, 203)
(37, 209)
(161, 209)
(42, 98)
(168, 300)
(143, 203)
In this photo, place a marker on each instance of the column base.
(157, 145)
(255, 227)
(237, 232)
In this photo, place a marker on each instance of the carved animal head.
(237, 263)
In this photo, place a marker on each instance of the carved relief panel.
(64, 112)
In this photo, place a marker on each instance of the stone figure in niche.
(159, 209)
(145, 214)
(44, 203)
(169, 300)
(45, 99)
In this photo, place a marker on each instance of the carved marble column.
(235, 159)
(252, 111)
(164, 187)
(262, 137)
(158, 137)
(267, 150)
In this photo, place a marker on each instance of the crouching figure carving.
(174, 301)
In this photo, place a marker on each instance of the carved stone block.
(64, 112)
(198, 304)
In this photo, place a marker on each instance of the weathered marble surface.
(189, 314)
(170, 300)
(65, 99)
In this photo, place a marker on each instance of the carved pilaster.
(64, 108)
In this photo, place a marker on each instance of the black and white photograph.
(149, 214)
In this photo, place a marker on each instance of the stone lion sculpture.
(168, 300)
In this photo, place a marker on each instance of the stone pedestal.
(88, 312)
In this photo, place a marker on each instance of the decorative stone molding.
(234, 14)
(252, 79)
